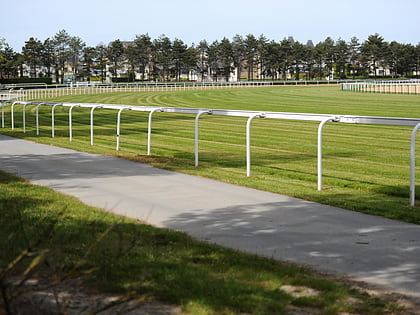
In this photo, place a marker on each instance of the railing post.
(70, 121)
(320, 127)
(248, 142)
(149, 129)
(2, 113)
(37, 117)
(118, 126)
(12, 115)
(91, 122)
(413, 165)
(52, 120)
(24, 117)
(196, 134)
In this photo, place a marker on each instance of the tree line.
(252, 57)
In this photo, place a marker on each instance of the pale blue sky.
(96, 21)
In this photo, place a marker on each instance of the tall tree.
(9, 60)
(190, 59)
(179, 57)
(203, 58)
(143, 44)
(213, 59)
(354, 56)
(309, 59)
(162, 56)
(262, 48)
(375, 50)
(271, 59)
(285, 57)
(115, 55)
(319, 59)
(62, 53)
(32, 52)
(297, 57)
(131, 55)
(393, 56)
(101, 60)
(251, 54)
(409, 59)
(238, 51)
(226, 58)
(47, 56)
(328, 51)
(342, 53)
(88, 62)
(3, 59)
(76, 46)
(402, 59)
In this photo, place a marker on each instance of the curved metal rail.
(323, 119)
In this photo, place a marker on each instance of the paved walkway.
(379, 251)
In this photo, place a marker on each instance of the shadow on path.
(373, 249)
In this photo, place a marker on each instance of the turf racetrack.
(366, 168)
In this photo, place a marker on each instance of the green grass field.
(366, 168)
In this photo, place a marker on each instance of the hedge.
(26, 80)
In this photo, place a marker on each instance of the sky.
(102, 21)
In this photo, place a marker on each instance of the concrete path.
(379, 251)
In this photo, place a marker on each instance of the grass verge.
(119, 255)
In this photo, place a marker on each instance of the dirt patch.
(299, 291)
(394, 89)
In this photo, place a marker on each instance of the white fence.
(30, 92)
(36, 92)
(394, 87)
(198, 112)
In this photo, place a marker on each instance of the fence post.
(320, 127)
(413, 165)
(91, 122)
(149, 129)
(196, 134)
(52, 120)
(248, 142)
(2, 113)
(118, 126)
(70, 121)
(37, 117)
(24, 117)
(13, 115)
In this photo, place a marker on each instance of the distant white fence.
(28, 92)
(392, 87)
(36, 92)
(198, 112)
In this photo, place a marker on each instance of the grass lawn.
(58, 236)
(366, 168)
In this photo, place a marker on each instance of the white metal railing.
(28, 92)
(323, 119)
(394, 87)
(36, 91)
